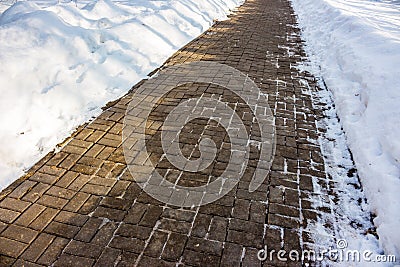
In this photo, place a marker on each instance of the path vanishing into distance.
(82, 205)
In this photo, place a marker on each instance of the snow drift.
(357, 45)
(61, 62)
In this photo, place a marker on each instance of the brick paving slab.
(81, 206)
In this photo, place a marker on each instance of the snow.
(355, 45)
(349, 219)
(61, 62)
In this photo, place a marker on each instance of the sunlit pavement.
(82, 206)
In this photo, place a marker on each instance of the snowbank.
(357, 45)
(61, 62)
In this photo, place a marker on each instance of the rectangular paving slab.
(82, 206)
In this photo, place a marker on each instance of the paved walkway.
(81, 206)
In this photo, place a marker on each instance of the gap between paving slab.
(81, 204)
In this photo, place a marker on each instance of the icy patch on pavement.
(357, 46)
(61, 62)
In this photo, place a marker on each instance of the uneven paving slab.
(81, 206)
